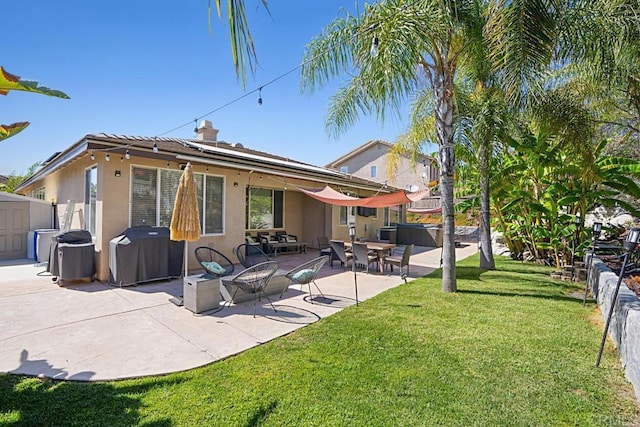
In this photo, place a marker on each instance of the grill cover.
(72, 255)
(75, 237)
(141, 254)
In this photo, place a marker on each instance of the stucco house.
(370, 161)
(111, 182)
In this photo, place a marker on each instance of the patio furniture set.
(278, 243)
(261, 276)
(366, 253)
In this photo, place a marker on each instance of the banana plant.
(10, 82)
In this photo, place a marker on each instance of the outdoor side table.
(201, 294)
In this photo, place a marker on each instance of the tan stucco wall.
(303, 216)
(341, 232)
(360, 165)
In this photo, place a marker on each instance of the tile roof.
(231, 155)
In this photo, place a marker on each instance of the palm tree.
(243, 51)
(428, 35)
(9, 82)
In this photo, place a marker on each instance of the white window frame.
(344, 169)
(348, 213)
(90, 215)
(39, 193)
(158, 201)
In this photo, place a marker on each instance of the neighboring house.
(116, 182)
(370, 161)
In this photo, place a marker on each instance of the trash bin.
(43, 238)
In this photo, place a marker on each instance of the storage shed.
(19, 215)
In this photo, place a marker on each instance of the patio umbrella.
(185, 219)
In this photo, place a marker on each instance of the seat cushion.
(214, 267)
(303, 276)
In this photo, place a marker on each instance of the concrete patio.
(93, 331)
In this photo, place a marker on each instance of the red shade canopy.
(333, 197)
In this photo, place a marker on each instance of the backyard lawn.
(511, 348)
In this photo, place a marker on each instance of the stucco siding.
(377, 155)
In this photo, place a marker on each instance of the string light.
(374, 53)
(281, 76)
(107, 158)
(93, 156)
(195, 129)
(127, 155)
(122, 158)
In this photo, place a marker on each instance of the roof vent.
(237, 145)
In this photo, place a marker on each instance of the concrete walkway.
(93, 331)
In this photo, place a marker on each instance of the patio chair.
(284, 237)
(214, 263)
(265, 239)
(323, 246)
(402, 261)
(254, 280)
(290, 239)
(251, 240)
(363, 256)
(338, 253)
(249, 255)
(306, 274)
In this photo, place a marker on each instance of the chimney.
(206, 132)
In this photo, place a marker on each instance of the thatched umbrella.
(185, 219)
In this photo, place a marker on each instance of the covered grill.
(72, 256)
(142, 254)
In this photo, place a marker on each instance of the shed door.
(14, 224)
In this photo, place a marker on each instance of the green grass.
(511, 348)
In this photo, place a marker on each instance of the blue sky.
(142, 67)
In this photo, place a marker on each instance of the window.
(344, 169)
(169, 181)
(374, 171)
(265, 208)
(39, 193)
(392, 215)
(143, 196)
(90, 199)
(347, 215)
(213, 198)
(153, 194)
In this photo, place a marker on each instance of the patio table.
(301, 247)
(380, 248)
